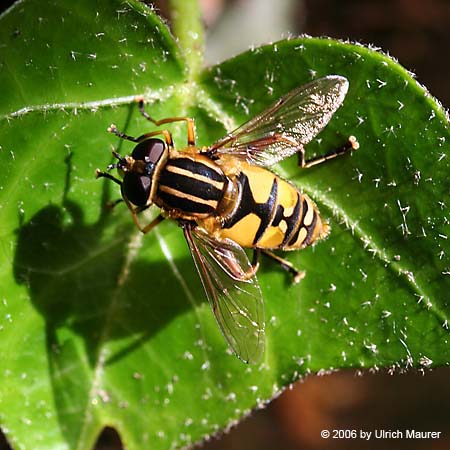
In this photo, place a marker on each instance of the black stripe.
(184, 204)
(189, 185)
(279, 216)
(197, 168)
(265, 211)
(300, 223)
(292, 222)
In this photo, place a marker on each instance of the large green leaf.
(101, 326)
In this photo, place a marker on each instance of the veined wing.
(291, 122)
(235, 299)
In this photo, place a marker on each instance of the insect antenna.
(100, 174)
(116, 155)
(112, 166)
(118, 165)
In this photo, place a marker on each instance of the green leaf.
(102, 326)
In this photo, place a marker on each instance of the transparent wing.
(291, 122)
(236, 301)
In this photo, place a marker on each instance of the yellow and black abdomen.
(190, 187)
(271, 213)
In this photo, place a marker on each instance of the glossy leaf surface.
(102, 326)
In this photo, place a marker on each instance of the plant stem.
(187, 26)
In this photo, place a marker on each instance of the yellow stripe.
(193, 198)
(307, 220)
(189, 174)
(301, 236)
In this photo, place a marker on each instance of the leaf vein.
(133, 247)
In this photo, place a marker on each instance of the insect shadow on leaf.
(72, 274)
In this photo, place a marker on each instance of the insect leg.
(113, 204)
(135, 211)
(153, 224)
(113, 129)
(166, 133)
(100, 174)
(167, 136)
(189, 122)
(351, 144)
(237, 269)
(286, 265)
(255, 260)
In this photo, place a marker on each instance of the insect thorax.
(191, 187)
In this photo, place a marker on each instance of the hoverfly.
(225, 199)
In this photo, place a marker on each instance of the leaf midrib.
(93, 105)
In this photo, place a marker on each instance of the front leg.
(152, 224)
(147, 228)
(189, 122)
(137, 210)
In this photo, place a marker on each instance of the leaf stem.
(187, 26)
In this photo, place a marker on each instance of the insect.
(226, 199)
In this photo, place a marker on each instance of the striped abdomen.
(193, 187)
(272, 213)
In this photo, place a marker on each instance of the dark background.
(417, 33)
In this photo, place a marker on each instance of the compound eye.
(136, 188)
(149, 150)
